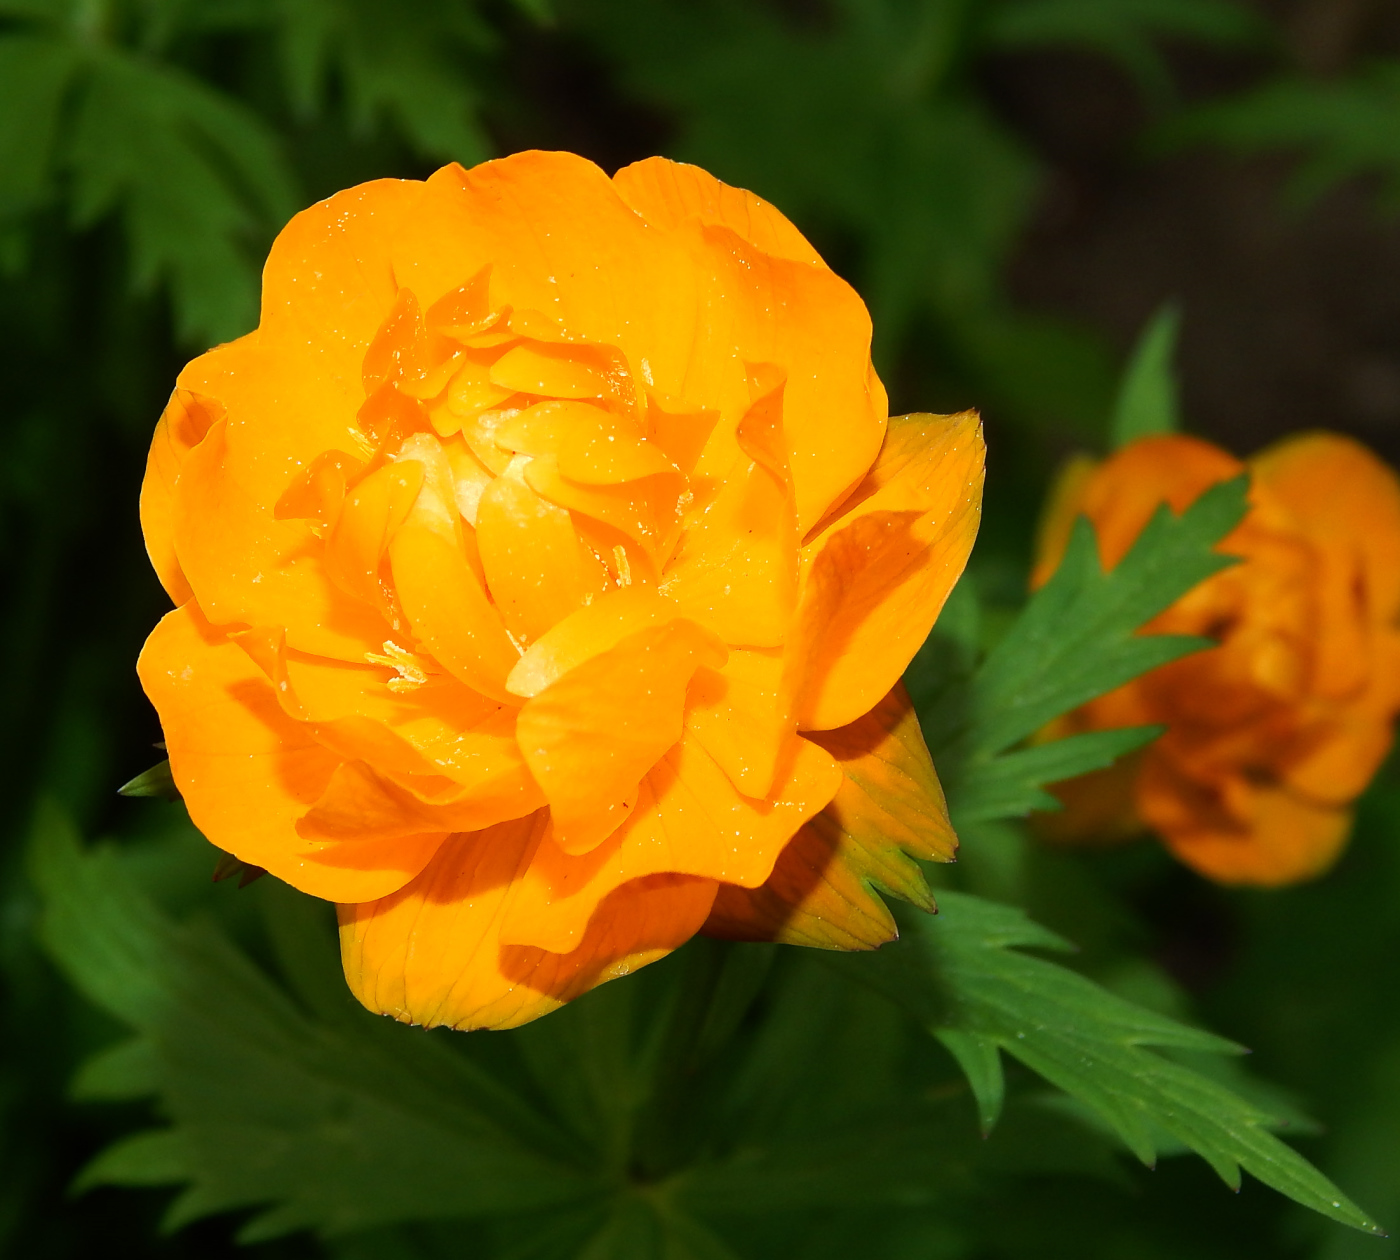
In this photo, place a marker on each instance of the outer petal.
(667, 193)
(888, 809)
(1347, 505)
(248, 772)
(431, 953)
(878, 574)
(182, 427)
(1238, 832)
(248, 569)
(688, 821)
(290, 390)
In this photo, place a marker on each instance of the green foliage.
(1125, 30)
(1342, 128)
(266, 1103)
(97, 112)
(981, 996)
(1147, 396)
(197, 178)
(1077, 638)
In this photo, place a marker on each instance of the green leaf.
(329, 1125)
(157, 781)
(1078, 635)
(1343, 127)
(963, 973)
(197, 179)
(1125, 30)
(35, 74)
(408, 64)
(1009, 786)
(1077, 638)
(1147, 398)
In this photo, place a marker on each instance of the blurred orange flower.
(544, 561)
(1272, 735)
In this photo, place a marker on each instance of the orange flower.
(1274, 733)
(545, 560)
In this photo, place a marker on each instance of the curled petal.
(741, 717)
(448, 610)
(666, 194)
(183, 425)
(589, 737)
(248, 772)
(247, 568)
(359, 804)
(537, 567)
(432, 954)
(688, 820)
(877, 576)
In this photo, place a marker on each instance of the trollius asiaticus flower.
(1273, 734)
(545, 566)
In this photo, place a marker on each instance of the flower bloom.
(545, 564)
(1272, 734)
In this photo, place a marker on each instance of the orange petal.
(561, 371)
(369, 516)
(688, 821)
(247, 568)
(667, 193)
(1347, 504)
(686, 306)
(537, 567)
(593, 446)
(248, 772)
(359, 804)
(590, 736)
(647, 511)
(587, 632)
(1267, 836)
(431, 954)
(328, 286)
(183, 424)
(736, 568)
(888, 810)
(449, 612)
(740, 716)
(878, 574)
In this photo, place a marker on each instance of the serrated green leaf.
(402, 64)
(1077, 637)
(1088, 1042)
(325, 1126)
(1010, 785)
(196, 178)
(1147, 398)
